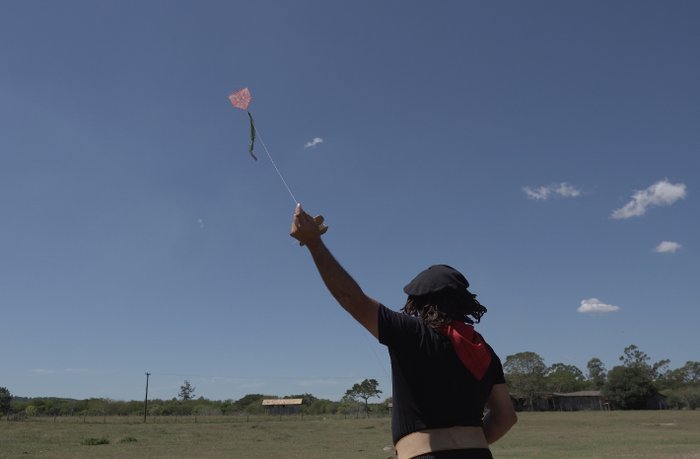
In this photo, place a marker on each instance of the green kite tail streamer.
(252, 136)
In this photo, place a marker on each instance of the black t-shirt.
(431, 386)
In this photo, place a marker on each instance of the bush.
(684, 398)
(128, 440)
(91, 441)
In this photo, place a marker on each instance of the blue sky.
(547, 149)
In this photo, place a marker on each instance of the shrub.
(91, 441)
(128, 440)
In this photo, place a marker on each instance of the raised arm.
(501, 416)
(338, 282)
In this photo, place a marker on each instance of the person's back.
(443, 373)
(431, 386)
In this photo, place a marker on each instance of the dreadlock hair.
(442, 307)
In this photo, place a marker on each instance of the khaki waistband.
(431, 440)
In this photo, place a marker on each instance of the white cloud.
(542, 193)
(567, 191)
(201, 223)
(667, 247)
(42, 371)
(594, 305)
(661, 193)
(76, 370)
(313, 143)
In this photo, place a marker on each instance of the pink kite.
(241, 99)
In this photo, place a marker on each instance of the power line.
(256, 378)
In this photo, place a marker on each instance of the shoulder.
(390, 320)
(400, 330)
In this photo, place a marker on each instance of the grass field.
(641, 434)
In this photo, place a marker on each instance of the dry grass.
(617, 434)
(642, 434)
(257, 438)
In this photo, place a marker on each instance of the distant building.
(540, 402)
(577, 401)
(558, 401)
(283, 405)
(656, 401)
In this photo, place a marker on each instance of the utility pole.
(145, 402)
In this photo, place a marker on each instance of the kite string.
(257, 133)
(275, 165)
(379, 361)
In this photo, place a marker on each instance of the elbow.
(498, 424)
(508, 417)
(506, 420)
(346, 295)
(512, 419)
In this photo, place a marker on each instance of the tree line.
(628, 385)
(355, 402)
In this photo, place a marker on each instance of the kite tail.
(252, 136)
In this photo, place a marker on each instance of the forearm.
(339, 283)
(495, 427)
(501, 415)
(492, 430)
(337, 280)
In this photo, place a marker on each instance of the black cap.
(434, 279)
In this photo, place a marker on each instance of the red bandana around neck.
(469, 346)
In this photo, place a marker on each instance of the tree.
(249, 404)
(634, 357)
(349, 405)
(692, 372)
(629, 387)
(5, 399)
(525, 372)
(672, 379)
(685, 397)
(364, 390)
(564, 378)
(688, 374)
(684, 377)
(597, 373)
(186, 391)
